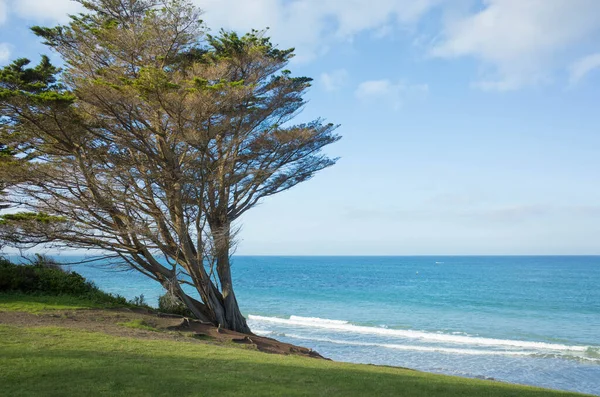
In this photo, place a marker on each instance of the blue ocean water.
(529, 320)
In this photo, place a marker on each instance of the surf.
(342, 326)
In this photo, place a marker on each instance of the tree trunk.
(224, 311)
(219, 307)
(233, 315)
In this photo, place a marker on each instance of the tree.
(16, 151)
(6, 159)
(156, 137)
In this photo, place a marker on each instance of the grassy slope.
(38, 303)
(59, 361)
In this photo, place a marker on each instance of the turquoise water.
(529, 320)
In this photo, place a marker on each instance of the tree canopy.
(154, 138)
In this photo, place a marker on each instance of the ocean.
(531, 320)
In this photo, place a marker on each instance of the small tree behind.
(17, 151)
(156, 137)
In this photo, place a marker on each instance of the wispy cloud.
(394, 93)
(384, 31)
(4, 52)
(44, 10)
(487, 215)
(335, 80)
(508, 213)
(519, 42)
(3, 11)
(313, 26)
(580, 68)
(515, 42)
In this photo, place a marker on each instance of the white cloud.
(374, 88)
(4, 52)
(335, 80)
(45, 10)
(3, 11)
(583, 66)
(516, 42)
(383, 32)
(520, 42)
(312, 26)
(386, 90)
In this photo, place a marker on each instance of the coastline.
(432, 322)
(149, 325)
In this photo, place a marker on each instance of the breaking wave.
(513, 347)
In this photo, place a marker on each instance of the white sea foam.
(474, 352)
(346, 327)
(262, 332)
(318, 320)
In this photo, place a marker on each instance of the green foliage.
(5, 152)
(31, 217)
(56, 97)
(230, 45)
(199, 83)
(16, 77)
(48, 278)
(169, 303)
(39, 85)
(138, 301)
(6, 161)
(48, 34)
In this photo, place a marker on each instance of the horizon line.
(342, 255)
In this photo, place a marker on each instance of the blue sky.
(469, 127)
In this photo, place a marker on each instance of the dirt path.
(166, 327)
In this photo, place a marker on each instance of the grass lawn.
(39, 303)
(54, 361)
(60, 362)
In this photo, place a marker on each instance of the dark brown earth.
(166, 327)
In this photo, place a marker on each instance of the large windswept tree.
(155, 138)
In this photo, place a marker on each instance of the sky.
(469, 127)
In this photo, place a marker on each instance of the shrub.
(46, 277)
(138, 301)
(170, 303)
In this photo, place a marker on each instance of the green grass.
(138, 324)
(63, 362)
(39, 303)
(54, 361)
